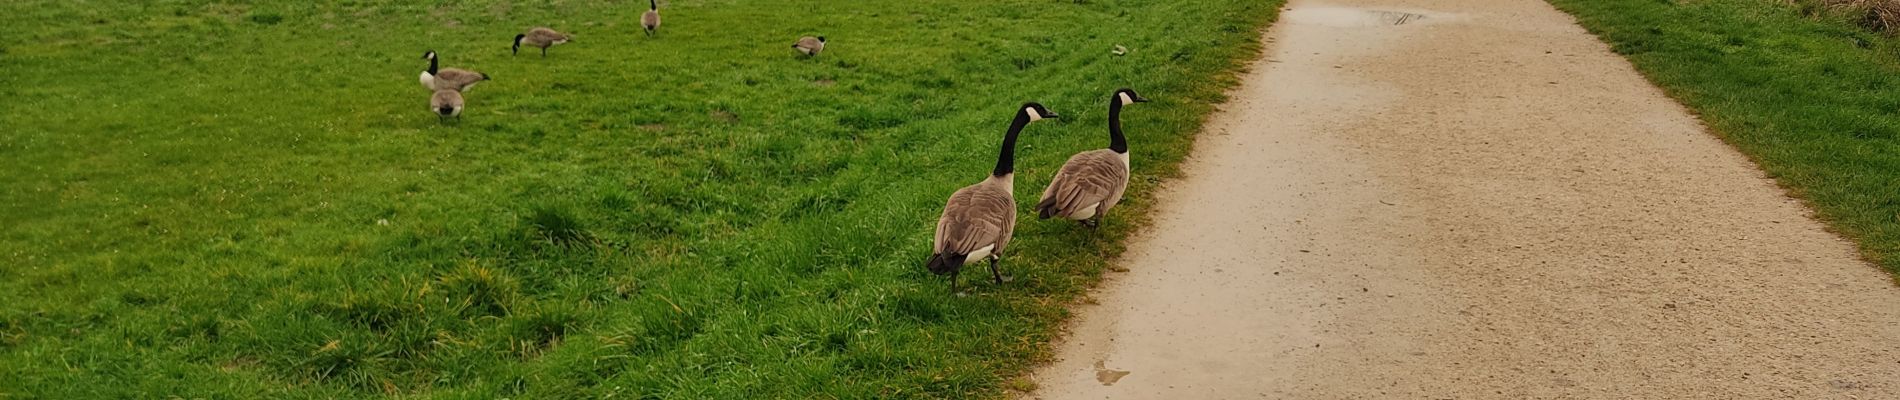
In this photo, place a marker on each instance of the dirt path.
(1474, 200)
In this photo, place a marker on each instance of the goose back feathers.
(448, 78)
(650, 20)
(810, 46)
(1089, 184)
(542, 38)
(446, 103)
(976, 224)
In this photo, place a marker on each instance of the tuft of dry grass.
(1876, 15)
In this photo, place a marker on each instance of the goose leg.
(544, 52)
(994, 273)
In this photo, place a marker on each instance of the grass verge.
(249, 200)
(1809, 97)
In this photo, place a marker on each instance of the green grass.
(1811, 97)
(250, 200)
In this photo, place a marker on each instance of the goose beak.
(1141, 100)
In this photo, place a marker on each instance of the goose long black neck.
(1116, 142)
(431, 66)
(1006, 160)
(653, 4)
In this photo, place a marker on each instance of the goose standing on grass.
(448, 78)
(540, 37)
(446, 104)
(978, 220)
(810, 46)
(651, 19)
(1092, 181)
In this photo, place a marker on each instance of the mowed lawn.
(228, 200)
(1809, 95)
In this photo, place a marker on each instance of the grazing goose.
(810, 45)
(977, 221)
(540, 37)
(448, 78)
(446, 103)
(651, 19)
(1092, 181)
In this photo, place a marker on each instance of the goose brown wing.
(1088, 178)
(543, 36)
(975, 217)
(456, 79)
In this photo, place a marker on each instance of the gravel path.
(1473, 199)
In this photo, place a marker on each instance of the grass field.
(1807, 94)
(250, 200)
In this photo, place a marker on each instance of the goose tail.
(944, 263)
(1046, 208)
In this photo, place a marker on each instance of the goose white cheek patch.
(1033, 115)
(1125, 99)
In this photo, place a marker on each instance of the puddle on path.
(1108, 376)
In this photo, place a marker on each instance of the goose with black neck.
(1092, 182)
(978, 219)
(448, 78)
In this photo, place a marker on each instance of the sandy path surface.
(1473, 199)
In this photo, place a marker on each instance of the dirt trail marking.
(1474, 199)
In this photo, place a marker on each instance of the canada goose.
(540, 37)
(651, 19)
(1092, 181)
(810, 45)
(445, 104)
(978, 219)
(448, 78)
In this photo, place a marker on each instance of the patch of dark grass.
(868, 118)
(664, 327)
(266, 18)
(535, 331)
(558, 226)
(476, 290)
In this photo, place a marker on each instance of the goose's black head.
(1126, 96)
(430, 55)
(1035, 111)
(517, 48)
